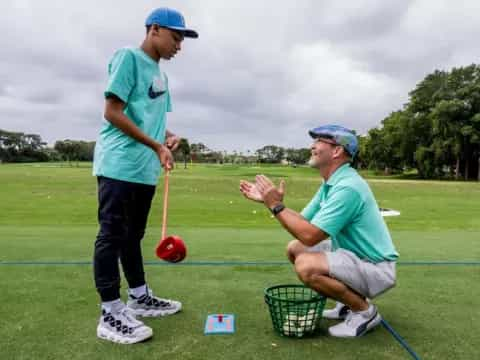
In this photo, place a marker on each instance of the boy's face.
(166, 42)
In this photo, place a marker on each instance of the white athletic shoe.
(120, 326)
(339, 312)
(149, 305)
(357, 323)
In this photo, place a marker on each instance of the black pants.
(123, 209)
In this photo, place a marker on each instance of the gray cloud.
(259, 74)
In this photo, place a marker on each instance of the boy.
(132, 146)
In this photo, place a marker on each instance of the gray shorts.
(366, 278)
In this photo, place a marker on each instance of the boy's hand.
(165, 156)
(172, 142)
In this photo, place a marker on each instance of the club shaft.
(165, 206)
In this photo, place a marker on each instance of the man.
(132, 146)
(359, 260)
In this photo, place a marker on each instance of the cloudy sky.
(262, 72)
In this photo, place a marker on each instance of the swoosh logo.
(154, 94)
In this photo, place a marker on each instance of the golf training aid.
(220, 324)
(170, 248)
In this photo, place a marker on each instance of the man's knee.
(290, 248)
(294, 248)
(310, 265)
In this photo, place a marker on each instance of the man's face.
(324, 151)
(166, 42)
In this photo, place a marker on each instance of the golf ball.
(254, 211)
(290, 329)
(291, 317)
(308, 322)
(293, 325)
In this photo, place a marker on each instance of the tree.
(184, 149)
(297, 156)
(73, 150)
(271, 154)
(20, 147)
(437, 132)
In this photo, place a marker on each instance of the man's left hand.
(172, 142)
(271, 195)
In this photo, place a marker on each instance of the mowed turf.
(48, 216)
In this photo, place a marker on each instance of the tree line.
(21, 147)
(436, 133)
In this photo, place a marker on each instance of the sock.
(113, 305)
(138, 291)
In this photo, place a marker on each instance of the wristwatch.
(277, 209)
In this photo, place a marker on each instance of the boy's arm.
(114, 114)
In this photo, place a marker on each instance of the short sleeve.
(121, 75)
(338, 210)
(312, 207)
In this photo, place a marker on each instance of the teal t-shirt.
(344, 207)
(136, 79)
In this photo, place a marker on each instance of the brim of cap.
(315, 135)
(186, 32)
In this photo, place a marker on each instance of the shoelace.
(151, 300)
(122, 321)
(349, 318)
(130, 319)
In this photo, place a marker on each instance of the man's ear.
(338, 151)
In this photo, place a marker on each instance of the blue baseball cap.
(339, 134)
(170, 19)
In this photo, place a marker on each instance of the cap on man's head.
(339, 134)
(170, 19)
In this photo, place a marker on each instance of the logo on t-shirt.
(157, 88)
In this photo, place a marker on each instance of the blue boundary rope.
(232, 263)
(397, 337)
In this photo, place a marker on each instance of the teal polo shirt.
(136, 79)
(344, 207)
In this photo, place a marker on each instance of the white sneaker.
(339, 312)
(357, 323)
(120, 326)
(150, 305)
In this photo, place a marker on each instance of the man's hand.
(269, 193)
(250, 191)
(172, 141)
(165, 156)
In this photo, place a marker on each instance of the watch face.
(276, 209)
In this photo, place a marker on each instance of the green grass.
(48, 213)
